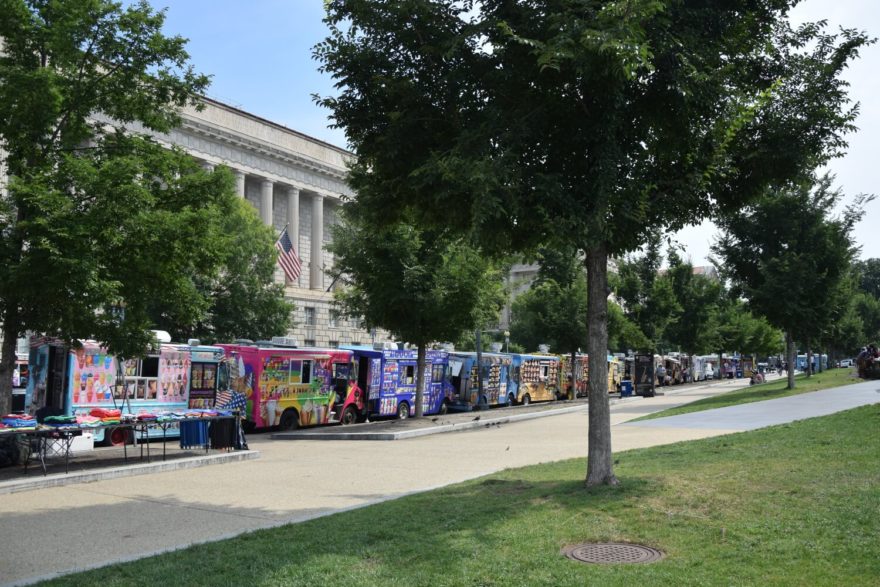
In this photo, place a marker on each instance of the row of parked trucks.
(287, 387)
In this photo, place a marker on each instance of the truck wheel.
(403, 411)
(349, 416)
(526, 400)
(444, 408)
(289, 420)
(511, 400)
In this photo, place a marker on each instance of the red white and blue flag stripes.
(287, 257)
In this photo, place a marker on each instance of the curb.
(62, 479)
(481, 422)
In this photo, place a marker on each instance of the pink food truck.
(289, 387)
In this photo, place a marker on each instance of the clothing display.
(193, 433)
(222, 434)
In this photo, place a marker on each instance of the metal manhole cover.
(612, 552)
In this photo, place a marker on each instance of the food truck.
(388, 378)
(288, 386)
(19, 383)
(533, 378)
(495, 372)
(616, 375)
(74, 381)
(581, 382)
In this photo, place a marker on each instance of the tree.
(550, 313)
(582, 123)
(647, 296)
(555, 314)
(790, 259)
(698, 296)
(418, 285)
(243, 300)
(96, 223)
(738, 329)
(868, 272)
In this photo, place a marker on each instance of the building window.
(310, 316)
(334, 318)
(334, 344)
(356, 343)
(309, 342)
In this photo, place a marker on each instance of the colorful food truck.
(291, 387)
(533, 378)
(615, 375)
(74, 381)
(581, 382)
(388, 378)
(495, 372)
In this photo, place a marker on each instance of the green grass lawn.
(797, 504)
(764, 391)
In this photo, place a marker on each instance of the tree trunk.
(809, 365)
(599, 458)
(720, 364)
(790, 358)
(7, 364)
(420, 381)
(575, 376)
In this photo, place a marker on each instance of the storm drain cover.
(611, 553)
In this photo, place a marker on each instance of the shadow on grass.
(794, 504)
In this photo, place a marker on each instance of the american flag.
(287, 257)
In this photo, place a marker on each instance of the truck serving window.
(307, 372)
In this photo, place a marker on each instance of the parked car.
(845, 363)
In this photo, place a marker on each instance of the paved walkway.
(47, 532)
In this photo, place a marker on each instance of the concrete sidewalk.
(54, 531)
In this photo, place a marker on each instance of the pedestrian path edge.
(30, 482)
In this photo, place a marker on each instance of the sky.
(259, 54)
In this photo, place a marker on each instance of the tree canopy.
(790, 258)
(583, 123)
(421, 286)
(241, 299)
(99, 224)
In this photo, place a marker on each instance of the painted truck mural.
(581, 381)
(534, 378)
(76, 381)
(288, 387)
(388, 378)
(495, 372)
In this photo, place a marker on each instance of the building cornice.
(249, 144)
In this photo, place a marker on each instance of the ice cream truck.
(494, 369)
(533, 378)
(288, 386)
(388, 379)
(75, 381)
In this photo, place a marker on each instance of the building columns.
(293, 221)
(239, 183)
(316, 275)
(266, 201)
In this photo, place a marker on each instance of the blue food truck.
(388, 378)
(77, 381)
(495, 372)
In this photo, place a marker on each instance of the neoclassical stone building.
(292, 180)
